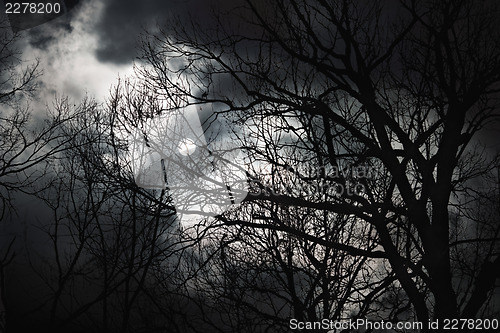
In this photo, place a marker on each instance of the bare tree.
(114, 246)
(401, 92)
(28, 142)
(371, 192)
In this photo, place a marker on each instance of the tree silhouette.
(368, 140)
(326, 88)
(30, 143)
(106, 234)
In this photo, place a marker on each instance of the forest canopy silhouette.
(362, 138)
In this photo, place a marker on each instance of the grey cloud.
(122, 21)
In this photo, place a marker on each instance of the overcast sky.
(85, 50)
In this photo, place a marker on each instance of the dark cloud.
(122, 21)
(44, 36)
(42, 29)
(28, 15)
